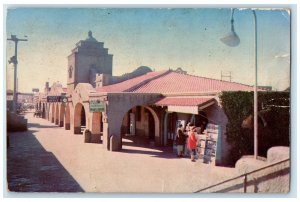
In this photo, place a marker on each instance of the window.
(70, 71)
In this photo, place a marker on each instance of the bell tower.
(87, 59)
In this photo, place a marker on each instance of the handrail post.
(243, 175)
(245, 183)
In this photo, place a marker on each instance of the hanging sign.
(54, 98)
(97, 106)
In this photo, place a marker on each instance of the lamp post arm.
(255, 89)
(232, 20)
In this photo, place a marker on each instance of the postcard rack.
(207, 144)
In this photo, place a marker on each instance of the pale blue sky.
(158, 38)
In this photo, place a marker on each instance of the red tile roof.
(126, 86)
(179, 83)
(169, 81)
(183, 101)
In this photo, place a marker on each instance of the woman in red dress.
(192, 143)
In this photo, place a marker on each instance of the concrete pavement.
(48, 158)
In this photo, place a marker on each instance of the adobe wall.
(275, 179)
(118, 105)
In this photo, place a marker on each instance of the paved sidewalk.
(48, 158)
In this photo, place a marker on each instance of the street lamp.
(14, 60)
(233, 40)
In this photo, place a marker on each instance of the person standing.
(186, 134)
(192, 143)
(180, 141)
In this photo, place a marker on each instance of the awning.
(190, 105)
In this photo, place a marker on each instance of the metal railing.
(244, 176)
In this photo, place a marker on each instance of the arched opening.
(172, 120)
(82, 117)
(200, 120)
(79, 119)
(56, 114)
(61, 114)
(97, 127)
(67, 118)
(44, 111)
(151, 125)
(171, 128)
(140, 128)
(48, 111)
(52, 112)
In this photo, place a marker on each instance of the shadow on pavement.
(30, 168)
(37, 125)
(136, 145)
(159, 154)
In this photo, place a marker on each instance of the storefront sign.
(97, 106)
(54, 98)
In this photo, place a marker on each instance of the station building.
(144, 106)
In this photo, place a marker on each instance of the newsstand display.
(208, 144)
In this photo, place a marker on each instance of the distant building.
(35, 90)
(25, 97)
(265, 88)
(9, 95)
(9, 99)
(288, 89)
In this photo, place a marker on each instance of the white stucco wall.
(216, 115)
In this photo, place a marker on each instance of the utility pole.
(228, 75)
(14, 60)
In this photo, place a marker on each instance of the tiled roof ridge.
(212, 79)
(132, 88)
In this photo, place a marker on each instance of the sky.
(158, 38)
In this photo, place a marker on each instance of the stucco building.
(143, 106)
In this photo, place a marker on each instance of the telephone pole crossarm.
(14, 60)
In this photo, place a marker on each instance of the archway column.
(67, 117)
(106, 136)
(77, 124)
(61, 114)
(165, 129)
(56, 115)
(111, 131)
(95, 126)
(158, 115)
(44, 110)
(47, 111)
(52, 117)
